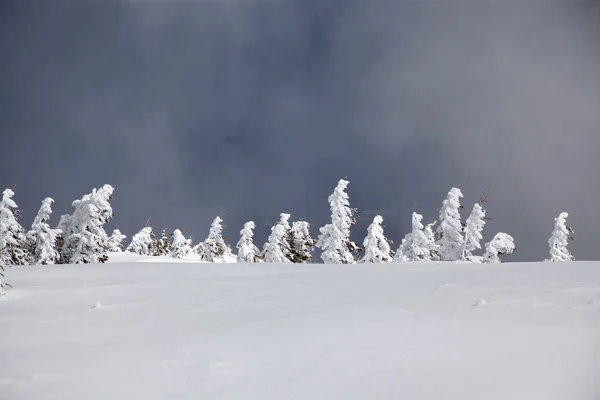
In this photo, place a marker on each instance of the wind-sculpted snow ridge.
(130, 330)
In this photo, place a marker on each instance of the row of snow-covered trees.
(452, 240)
(80, 237)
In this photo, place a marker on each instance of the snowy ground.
(230, 331)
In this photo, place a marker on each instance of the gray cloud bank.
(249, 109)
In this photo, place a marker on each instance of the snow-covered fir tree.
(502, 243)
(284, 220)
(84, 239)
(41, 238)
(432, 246)
(64, 225)
(334, 240)
(214, 248)
(559, 240)
(277, 249)
(416, 244)
(161, 247)
(473, 232)
(142, 242)
(451, 240)
(13, 243)
(376, 245)
(115, 241)
(179, 245)
(247, 252)
(300, 242)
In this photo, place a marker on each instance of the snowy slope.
(232, 331)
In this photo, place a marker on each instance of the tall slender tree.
(13, 243)
(559, 240)
(451, 240)
(41, 238)
(334, 240)
(432, 246)
(473, 232)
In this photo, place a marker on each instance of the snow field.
(183, 330)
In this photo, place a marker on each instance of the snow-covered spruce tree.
(432, 246)
(41, 238)
(300, 242)
(179, 245)
(277, 249)
(214, 248)
(63, 226)
(376, 245)
(559, 240)
(161, 247)
(247, 250)
(284, 220)
(115, 241)
(502, 243)
(84, 239)
(451, 240)
(473, 232)
(142, 242)
(334, 240)
(13, 243)
(416, 245)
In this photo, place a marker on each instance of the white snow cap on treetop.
(284, 219)
(44, 212)
(6, 198)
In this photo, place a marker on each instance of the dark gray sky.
(251, 108)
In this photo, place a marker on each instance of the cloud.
(249, 109)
